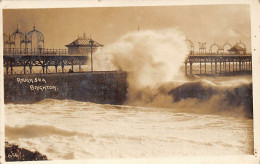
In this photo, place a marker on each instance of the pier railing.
(34, 52)
(194, 53)
(208, 63)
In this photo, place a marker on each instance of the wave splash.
(204, 97)
(153, 61)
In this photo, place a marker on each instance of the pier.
(44, 58)
(219, 63)
(26, 51)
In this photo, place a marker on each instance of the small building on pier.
(237, 50)
(82, 46)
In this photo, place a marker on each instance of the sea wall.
(98, 87)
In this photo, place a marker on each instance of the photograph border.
(255, 44)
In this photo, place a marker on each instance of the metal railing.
(34, 52)
(194, 53)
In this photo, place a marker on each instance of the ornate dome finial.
(84, 35)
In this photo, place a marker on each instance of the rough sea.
(67, 129)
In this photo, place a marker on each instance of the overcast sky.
(209, 23)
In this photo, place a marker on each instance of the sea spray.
(151, 58)
(153, 61)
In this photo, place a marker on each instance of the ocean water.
(66, 129)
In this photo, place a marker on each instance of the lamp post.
(91, 51)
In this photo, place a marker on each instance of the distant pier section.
(219, 60)
(26, 52)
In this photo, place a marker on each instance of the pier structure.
(26, 51)
(234, 60)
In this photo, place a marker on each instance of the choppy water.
(65, 129)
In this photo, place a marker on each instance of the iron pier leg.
(43, 69)
(11, 69)
(200, 67)
(216, 67)
(233, 67)
(239, 65)
(62, 67)
(225, 71)
(220, 67)
(24, 69)
(185, 68)
(246, 65)
(251, 65)
(79, 68)
(56, 68)
(205, 68)
(224, 67)
(46, 68)
(30, 66)
(211, 67)
(229, 67)
(190, 68)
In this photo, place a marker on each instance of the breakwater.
(99, 87)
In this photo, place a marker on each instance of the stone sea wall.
(97, 87)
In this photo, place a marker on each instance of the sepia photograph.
(127, 82)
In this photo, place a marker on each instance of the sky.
(202, 23)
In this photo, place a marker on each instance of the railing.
(192, 53)
(34, 52)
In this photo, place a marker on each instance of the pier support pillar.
(56, 68)
(185, 68)
(205, 67)
(43, 69)
(200, 67)
(30, 66)
(46, 68)
(239, 65)
(62, 67)
(11, 69)
(220, 67)
(250, 66)
(216, 67)
(80, 68)
(233, 66)
(190, 68)
(211, 67)
(229, 67)
(24, 69)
